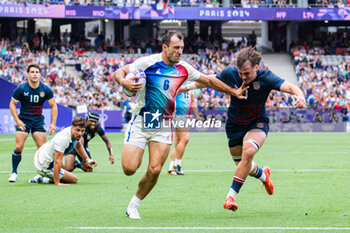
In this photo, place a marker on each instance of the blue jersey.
(162, 83)
(183, 103)
(90, 134)
(32, 100)
(251, 110)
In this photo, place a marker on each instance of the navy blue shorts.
(236, 133)
(71, 150)
(33, 126)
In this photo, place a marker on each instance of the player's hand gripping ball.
(141, 78)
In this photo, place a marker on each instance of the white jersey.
(162, 84)
(59, 142)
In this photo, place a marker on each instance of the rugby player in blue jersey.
(247, 125)
(32, 95)
(184, 104)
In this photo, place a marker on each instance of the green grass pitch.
(311, 172)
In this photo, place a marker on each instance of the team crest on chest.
(256, 85)
(42, 94)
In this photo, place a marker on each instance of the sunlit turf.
(310, 171)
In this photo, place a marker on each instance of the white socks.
(177, 162)
(232, 193)
(134, 202)
(171, 165)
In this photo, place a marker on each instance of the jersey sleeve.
(61, 144)
(193, 74)
(17, 93)
(49, 93)
(273, 80)
(100, 131)
(144, 62)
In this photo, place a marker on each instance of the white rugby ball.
(141, 78)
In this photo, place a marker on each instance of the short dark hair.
(79, 121)
(167, 36)
(248, 54)
(33, 66)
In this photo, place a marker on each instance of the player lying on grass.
(48, 158)
(91, 130)
(247, 125)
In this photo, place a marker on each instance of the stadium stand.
(318, 69)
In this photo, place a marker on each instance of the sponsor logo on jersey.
(256, 85)
(26, 93)
(158, 71)
(42, 94)
(260, 125)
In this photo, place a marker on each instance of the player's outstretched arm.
(129, 84)
(54, 111)
(109, 148)
(19, 123)
(215, 83)
(297, 93)
(57, 165)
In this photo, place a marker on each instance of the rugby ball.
(141, 78)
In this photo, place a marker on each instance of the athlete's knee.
(75, 179)
(154, 170)
(250, 148)
(19, 147)
(185, 139)
(248, 153)
(69, 168)
(129, 171)
(247, 156)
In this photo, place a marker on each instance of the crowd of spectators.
(70, 91)
(325, 87)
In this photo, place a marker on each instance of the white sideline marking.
(206, 171)
(281, 152)
(211, 228)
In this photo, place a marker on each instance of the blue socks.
(16, 159)
(237, 183)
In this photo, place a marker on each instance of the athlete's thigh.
(131, 156)
(256, 135)
(39, 138)
(21, 137)
(68, 177)
(69, 160)
(158, 153)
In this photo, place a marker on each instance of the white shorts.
(136, 135)
(44, 172)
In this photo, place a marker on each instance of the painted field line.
(213, 228)
(206, 171)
